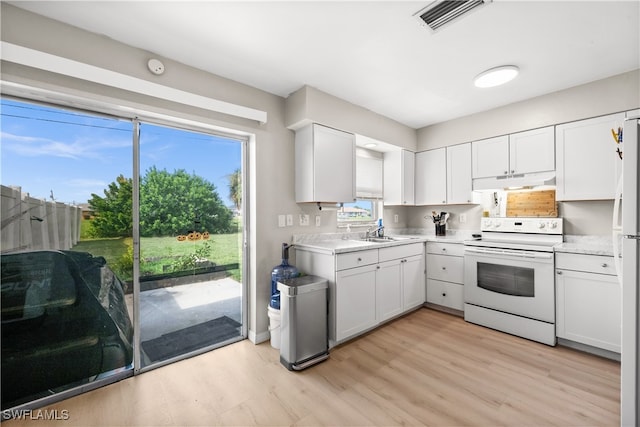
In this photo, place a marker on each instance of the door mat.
(192, 338)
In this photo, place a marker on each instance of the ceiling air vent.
(441, 12)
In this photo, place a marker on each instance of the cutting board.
(532, 203)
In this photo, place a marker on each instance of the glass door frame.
(137, 339)
(59, 99)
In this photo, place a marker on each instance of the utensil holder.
(441, 230)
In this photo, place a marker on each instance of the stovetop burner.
(537, 234)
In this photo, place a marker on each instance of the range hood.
(523, 180)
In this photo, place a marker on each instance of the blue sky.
(45, 150)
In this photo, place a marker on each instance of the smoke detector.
(155, 66)
(441, 12)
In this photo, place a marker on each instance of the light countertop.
(589, 245)
(335, 243)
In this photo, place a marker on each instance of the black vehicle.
(64, 323)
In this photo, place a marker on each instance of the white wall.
(308, 105)
(611, 95)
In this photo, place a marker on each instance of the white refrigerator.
(630, 235)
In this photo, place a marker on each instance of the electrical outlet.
(289, 220)
(282, 222)
(395, 218)
(463, 218)
(317, 220)
(304, 220)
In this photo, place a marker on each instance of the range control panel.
(522, 225)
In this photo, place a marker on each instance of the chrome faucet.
(378, 232)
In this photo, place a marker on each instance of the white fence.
(32, 224)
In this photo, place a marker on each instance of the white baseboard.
(260, 337)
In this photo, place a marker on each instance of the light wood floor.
(427, 368)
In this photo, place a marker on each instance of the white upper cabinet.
(532, 151)
(325, 165)
(459, 182)
(490, 157)
(399, 169)
(431, 177)
(587, 166)
(518, 153)
(443, 175)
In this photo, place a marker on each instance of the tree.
(178, 202)
(235, 189)
(113, 216)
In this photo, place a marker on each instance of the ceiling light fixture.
(370, 145)
(496, 76)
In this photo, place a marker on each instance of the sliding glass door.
(122, 247)
(66, 234)
(190, 242)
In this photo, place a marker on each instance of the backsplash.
(582, 218)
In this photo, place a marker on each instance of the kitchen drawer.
(445, 248)
(402, 251)
(356, 259)
(447, 268)
(446, 294)
(590, 263)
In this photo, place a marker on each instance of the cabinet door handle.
(558, 272)
(444, 294)
(512, 170)
(444, 249)
(604, 265)
(444, 268)
(444, 201)
(359, 259)
(378, 267)
(506, 172)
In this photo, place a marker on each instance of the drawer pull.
(559, 272)
(359, 259)
(444, 294)
(604, 265)
(444, 249)
(444, 268)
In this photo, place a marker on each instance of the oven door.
(512, 281)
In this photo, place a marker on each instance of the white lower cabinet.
(389, 289)
(367, 287)
(399, 280)
(413, 282)
(355, 301)
(445, 275)
(588, 305)
(445, 294)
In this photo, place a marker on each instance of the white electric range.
(509, 276)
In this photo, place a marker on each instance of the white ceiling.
(376, 54)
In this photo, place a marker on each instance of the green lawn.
(158, 252)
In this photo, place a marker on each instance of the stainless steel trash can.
(304, 322)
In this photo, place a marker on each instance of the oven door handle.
(510, 253)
